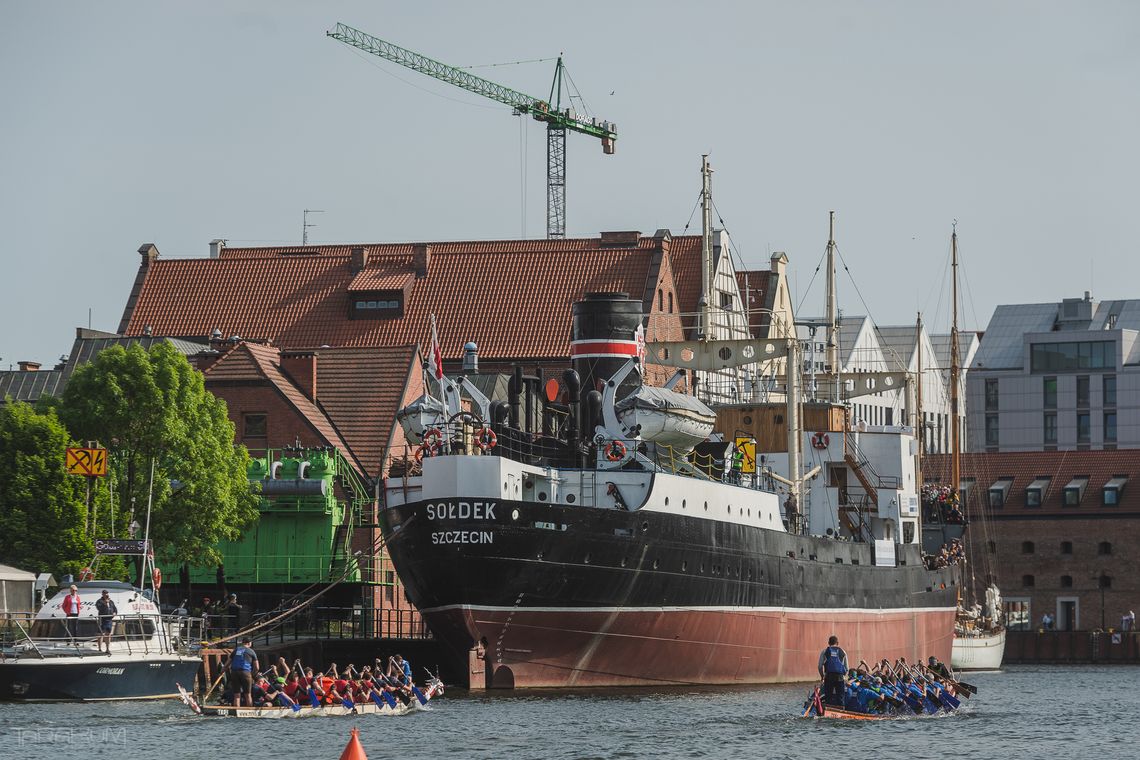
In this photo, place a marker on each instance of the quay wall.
(1070, 647)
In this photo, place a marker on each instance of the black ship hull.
(94, 678)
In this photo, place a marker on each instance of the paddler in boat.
(938, 667)
(832, 668)
(400, 669)
(274, 692)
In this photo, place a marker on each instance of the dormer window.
(999, 492)
(380, 304)
(1075, 491)
(1035, 492)
(1113, 490)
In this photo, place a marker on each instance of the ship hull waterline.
(597, 597)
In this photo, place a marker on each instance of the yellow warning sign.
(746, 447)
(90, 462)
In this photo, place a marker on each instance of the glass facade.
(1049, 389)
(1063, 357)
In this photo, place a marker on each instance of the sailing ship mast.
(832, 310)
(955, 430)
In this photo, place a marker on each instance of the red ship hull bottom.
(566, 648)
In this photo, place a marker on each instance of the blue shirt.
(243, 658)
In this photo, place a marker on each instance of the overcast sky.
(176, 123)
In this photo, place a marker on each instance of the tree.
(42, 511)
(153, 407)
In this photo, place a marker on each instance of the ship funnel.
(604, 336)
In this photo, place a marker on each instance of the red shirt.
(71, 604)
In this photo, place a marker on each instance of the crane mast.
(558, 120)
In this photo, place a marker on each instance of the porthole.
(514, 514)
(730, 509)
(542, 495)
(645, 526)
(747, 420)
(684, 503)
(570, 498)
(750, 511)
(666, 501)
(706, 506)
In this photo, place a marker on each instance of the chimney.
(28, 366)
(421, 258)
(623, 239)
(359, 259)
(206, 358)
(216, 247)
(301, 366)
(149, 252)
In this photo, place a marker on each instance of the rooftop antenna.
(305, 224)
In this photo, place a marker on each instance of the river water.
(1021, 712)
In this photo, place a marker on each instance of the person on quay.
(71, 605)
(832, 667)
(243, 664)
(107, 611)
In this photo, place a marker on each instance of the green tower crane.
(557, 119)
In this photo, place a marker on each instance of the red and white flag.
(435, 355)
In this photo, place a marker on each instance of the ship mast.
(919, 425)
(955, 443)
(832, 310)
(707, 273)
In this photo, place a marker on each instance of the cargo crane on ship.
(550, 111)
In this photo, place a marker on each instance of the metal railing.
(22, 635)
(348, 623)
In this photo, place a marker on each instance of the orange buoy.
(353, 750)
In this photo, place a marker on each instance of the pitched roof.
(1059, 467)
(511, 297)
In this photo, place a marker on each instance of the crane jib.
(521, 102)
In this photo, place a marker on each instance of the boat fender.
(820, 441)
(615, 451)
(156, 578)
(487, 439)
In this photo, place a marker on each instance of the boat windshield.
(85, 628)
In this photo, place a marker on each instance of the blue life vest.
(833, 661)
(242, 659)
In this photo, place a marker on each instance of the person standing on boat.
(71, 604)
(243, 664)
(107, 611)
(832, 668)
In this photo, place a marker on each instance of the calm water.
(1030, 712)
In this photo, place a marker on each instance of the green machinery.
(557, 118)
(304, 531)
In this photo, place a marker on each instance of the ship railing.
(133, 633)
(335, 623)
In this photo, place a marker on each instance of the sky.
(123, 123)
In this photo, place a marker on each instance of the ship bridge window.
(1035, 491)
(1075, 491)
(1113, 490)
(999, 492)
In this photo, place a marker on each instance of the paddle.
(387, 695)
(419, 695)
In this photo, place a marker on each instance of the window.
(670, 302)
(1110, 427)
(1035, 492)
(991, 430)
(1083, 427)
(1017, 614)
(1104, 548)
(1050, 427)
(1066, 581)
(726, 301)
(1104, 581)
(1027, 547)
(377, 304)
(1061, 357)
(1028, 581)
(1113, 489)
(660, 300)
(999, 492)
(991, 395)
(991, 547)
(1074, 491)
(253, 426)
(1083, 392)
(1066, 547)
(1049, 390)
(1109, 386)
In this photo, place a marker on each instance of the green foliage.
(42, 510)
(153, 407)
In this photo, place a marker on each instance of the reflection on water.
(1021, 712)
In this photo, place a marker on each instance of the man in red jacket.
(71, 605)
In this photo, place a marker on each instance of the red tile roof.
(379, 279)
(1060, 467)
(359, 391)
(512, 297)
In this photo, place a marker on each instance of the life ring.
(86, 574)
(156, 578)
(615, 451)
(427, 450)
(433, 437)
(820, 441)
(487, 439)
